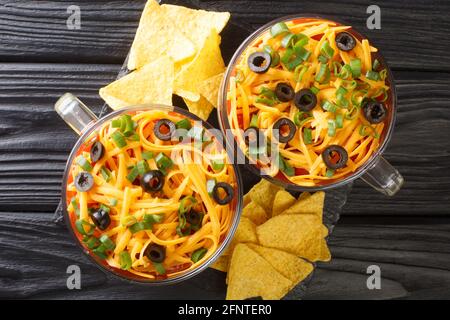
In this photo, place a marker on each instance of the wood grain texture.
(414, 260)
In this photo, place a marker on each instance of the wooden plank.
(36, 31)
(34, 142)
(414, 260)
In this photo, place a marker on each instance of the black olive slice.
(259, 62)
(155, 253)
(101, 218)
(229, 193)
(335, 157)
(284, 92)
(194, 217)
(164, 129)
(374, 111)
(84, 181)
(152, 181)
(345, 41)
(97, 151)
(280, 132)
(305, 100)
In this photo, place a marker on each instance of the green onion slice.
(183, 124)
(355, 65)
(106, 174)
(217, 165)
(133, 174)
(326, 50)
(307, 135)
(198, 254)
(107, 242)
(100, 251)
(159, 268)
(124, 260)
(91, 242)
(329, 173)
(373, 75)
(140, 226)
(153, 218)
(288, 40)
(323, 76)
(331, 128)
(265, 101)
(339, 121)
(81, 225)
(84, 163)
(118, 139)
(279, 28)
(210, 184)
(365, 131)
(163, 162)
(328, 106)
(147, 155)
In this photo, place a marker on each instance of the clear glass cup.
(84, 122)
(376, 171)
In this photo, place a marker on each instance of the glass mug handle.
(383, 177)
(74, 112)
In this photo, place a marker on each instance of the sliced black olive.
(84, 181)
(97, 151)
(305, 100)
(259, 62)
(253, 136)
(164, 129)
(345, 41)
(152, 181)
(284, 92)
(374, 111)
(156, 253)
(194, 217)
(280, 132)
(229, 193)
(101, 218)
(335, 157)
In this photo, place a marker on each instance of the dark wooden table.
(407, 236)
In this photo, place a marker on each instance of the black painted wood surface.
(408, 236)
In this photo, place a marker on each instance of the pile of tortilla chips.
(176, 50)
(275, 244)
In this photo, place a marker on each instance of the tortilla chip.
(209, 88)
(221, 263)
(157, 36)
(150, 84)
(290, 266)
(196, 25)
(282, 201)
(263, 193)
(251, 276)
(245, 232)
(325, 254)
(255, 213)
(246, 200)
(312, 204)
(207, 63)
(202, 108)
(298, 234)
(304, 195)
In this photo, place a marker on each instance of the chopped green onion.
(339, 121)
(288, 40)
(163, 162)
(287, 55)
(275, 55)
(107, 242)
(118, 139)
(186, 204)
(355, 65)
(159, 268)
(100, 252)
(116, 123)
(346, 71)
(349, 84)
(326, 50)
(265, 101)
(340, 97)
(294, 63)
(302, 40)
(125, 260)
(301, 117)
(365, 131)
(133, 174)
(337, 67)
(217, 165)
(302, 53)
(105, 208)
(322, 59)
(279, 28)
(329, 173)
(254, 121)
(375, 65)
(328, 106)
(140, 226)
(134, 137)
(266, 92)
(285, 167)
(128, 220)
(129, 125)
(352, 113)
(323, 76)
(300, 72)
(75, 206)
(142, 167)
(331, 128)
(183, 124)
(113, 202)
(373, 75)
(84, 163)
(91, 242)
(383, 74)
(341, 91)
(106, 174)
(315, 90)
(307, 136)
(147, 155)
(358, 97)
(198, 254)
(153, 218)
(80, 226)
(210, 183)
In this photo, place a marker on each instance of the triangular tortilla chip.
(202, 108)
(209, 88)
(245, 232)
(195, 24)
(312, 204)
(157, 36)
(325, 254)
(221, 263)
(283, 200)
(255, 213)
(150, 84)
(207, 63)
(290, 266)
(251, 276)
(299, 234)
(263, 194)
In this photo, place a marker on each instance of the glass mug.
(376, 171)
(84, 122)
